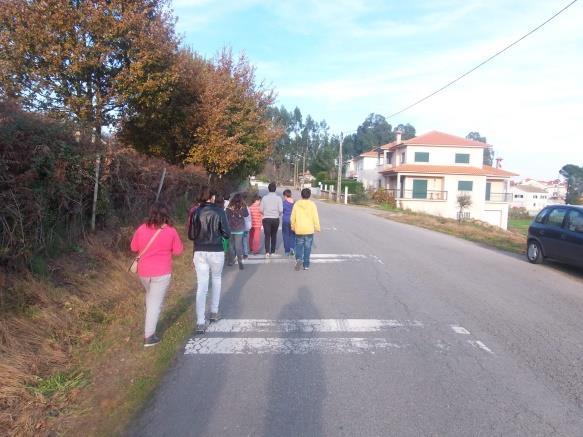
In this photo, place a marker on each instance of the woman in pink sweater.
(155, 264)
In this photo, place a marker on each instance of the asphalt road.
(415, 334)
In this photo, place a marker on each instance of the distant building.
(530, 197)
(428, 172)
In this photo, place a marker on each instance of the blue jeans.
(246, 243)
(289, 238)
(304, 248)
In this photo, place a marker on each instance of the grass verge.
(472, 230)
(72, 360)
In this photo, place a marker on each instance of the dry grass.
(74, 363)
(472, 230)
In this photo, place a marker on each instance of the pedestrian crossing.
(323, 336)
(315, 258)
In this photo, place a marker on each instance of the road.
(394, 331)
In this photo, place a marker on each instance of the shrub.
(518, 213)
(46, 186)
(384, 197)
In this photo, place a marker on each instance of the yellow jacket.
(304, 218)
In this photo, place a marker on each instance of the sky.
(340, 60)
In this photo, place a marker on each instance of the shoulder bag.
(134, 267)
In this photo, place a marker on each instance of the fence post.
(346, 195)
(161, 183)
(95, 191)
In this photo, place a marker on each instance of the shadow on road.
(297, 385)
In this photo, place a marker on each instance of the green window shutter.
(465, 185)
(421, 156)
(462, 158)
(488, 190)
(419, 189)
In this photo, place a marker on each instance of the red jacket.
(256, 216)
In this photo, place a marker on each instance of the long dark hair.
(236, 202)
(159, 215)
(205, 194)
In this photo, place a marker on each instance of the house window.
(421, 156)
(465, 185)
(462, 158)
(403, 158)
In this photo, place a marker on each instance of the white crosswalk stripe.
(289, 336)
(271, 345)
(308, 325)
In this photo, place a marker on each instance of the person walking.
(256, 223)
(208, 229)
(236, 213)
(289, 240)
(304, 222)
(155, 241)
(271, 208)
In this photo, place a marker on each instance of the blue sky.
(341, 60)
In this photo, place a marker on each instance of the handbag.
(134, 266)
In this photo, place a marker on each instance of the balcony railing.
(413, 194)
(499, 197)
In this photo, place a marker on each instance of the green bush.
(47, 180)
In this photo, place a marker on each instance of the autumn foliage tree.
(217, 117)
(234, 132)
(84, 60)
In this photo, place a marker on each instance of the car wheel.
(534, 254)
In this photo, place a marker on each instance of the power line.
(484, 62)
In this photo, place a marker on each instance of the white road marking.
(315, 256)
(289, 260)
(308, 325)
(480, 345)
(254, 346)
(460, 330)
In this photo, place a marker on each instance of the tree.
(373, 132)
(488, 151)
(408, 131)
(230, 128)
(574, 176)
(463, 201)
(84, 60)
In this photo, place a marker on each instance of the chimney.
(499, 162)
(398, 134)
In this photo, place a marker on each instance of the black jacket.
(208, 228)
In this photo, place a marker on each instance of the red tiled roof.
(529, 188)
(369, 154)
(436, 138)
(448, 169)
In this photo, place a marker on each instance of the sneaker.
(306, 268)
(200, 329)
(298, 265)
(152, 340)
(292, 252)
(267, 255)
(215, 317)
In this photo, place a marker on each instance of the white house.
(530, 197)
(364, 168)
(428, 172)
(556, 189)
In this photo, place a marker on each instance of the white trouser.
(205, 263)
(156, 288)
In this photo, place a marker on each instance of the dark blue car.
(557, 233)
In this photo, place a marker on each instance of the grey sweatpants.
(156, 288)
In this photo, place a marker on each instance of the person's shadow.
(297, 385)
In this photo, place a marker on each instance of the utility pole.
(339, 184)
(304, 169)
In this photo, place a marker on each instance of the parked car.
(557, 233)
